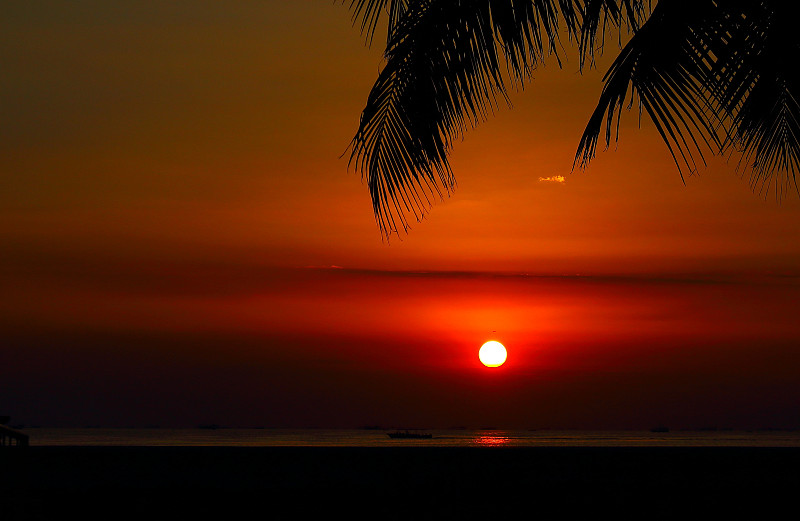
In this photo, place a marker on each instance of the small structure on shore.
(11, 437)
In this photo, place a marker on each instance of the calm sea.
(379, 438)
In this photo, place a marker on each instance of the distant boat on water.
(659, 429)
(409, 435)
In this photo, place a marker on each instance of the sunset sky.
(183, 243)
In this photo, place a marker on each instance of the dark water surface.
(379, 438)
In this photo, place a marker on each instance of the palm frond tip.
(711, 75)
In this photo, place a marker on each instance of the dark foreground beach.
(389, 483)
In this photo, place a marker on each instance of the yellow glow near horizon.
(492, 354)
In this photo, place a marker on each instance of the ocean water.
(379, 438)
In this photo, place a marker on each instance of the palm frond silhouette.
(714, 76)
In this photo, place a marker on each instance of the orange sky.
(171, 171)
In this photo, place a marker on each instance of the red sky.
(173, 194)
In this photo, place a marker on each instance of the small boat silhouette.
(409, 435)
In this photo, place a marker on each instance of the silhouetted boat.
(409, 435)
(659, 429)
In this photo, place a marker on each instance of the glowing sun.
(492, 354)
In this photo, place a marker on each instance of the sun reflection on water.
(491, 440)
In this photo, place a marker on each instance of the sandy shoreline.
(396, 482)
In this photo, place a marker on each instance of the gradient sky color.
(182, 243)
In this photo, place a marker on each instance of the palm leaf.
(663, 67)
(367, 14)
(444, 73)
(713, 76)
(600, 16)
(762, 96)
